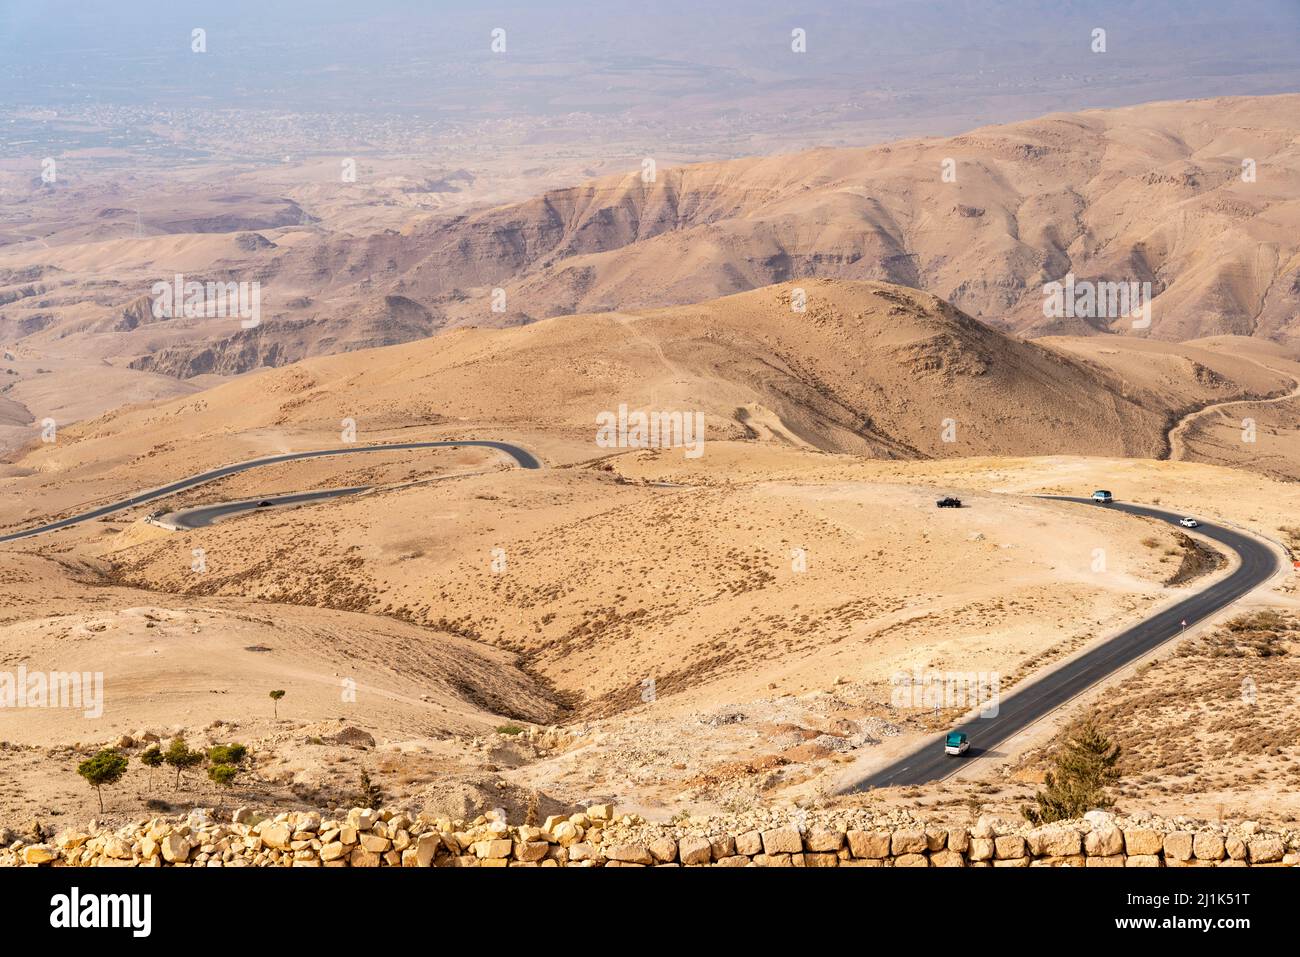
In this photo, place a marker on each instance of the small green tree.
(275, 701)
(223, 775)
(179, 756)
(370, 795)
(227, 754)
(1082, 770)
(107, 767)
(152, 758)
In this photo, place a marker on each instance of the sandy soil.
(766, 681)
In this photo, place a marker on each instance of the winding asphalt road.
(522, 457)
(204, 515)
(1258, 563)
(1047, 693)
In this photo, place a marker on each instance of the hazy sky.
(698, 61)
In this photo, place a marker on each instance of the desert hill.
(59, 610)
(1153, 193)
(867, 368)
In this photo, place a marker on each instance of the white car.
(1188, 522)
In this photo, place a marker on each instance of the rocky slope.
(1156, 193)
(865, 367)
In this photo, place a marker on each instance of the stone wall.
(598, 837)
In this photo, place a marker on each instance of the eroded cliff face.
(1154, 194)
(282, 339)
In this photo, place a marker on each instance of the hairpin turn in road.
(522, 457)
